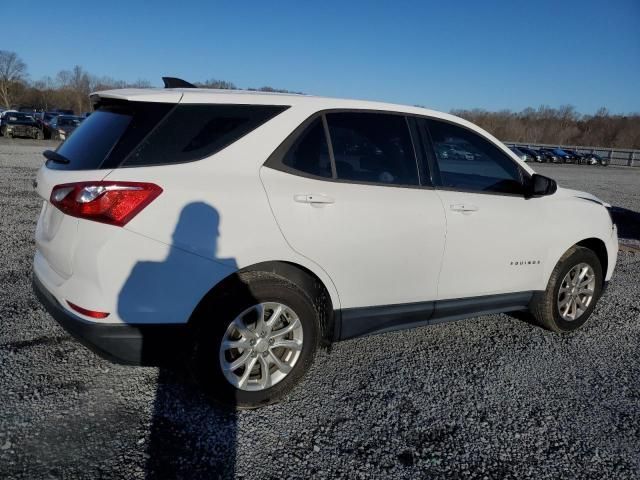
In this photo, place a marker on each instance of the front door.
(495, 236)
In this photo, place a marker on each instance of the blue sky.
(441, 54)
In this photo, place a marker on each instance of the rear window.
(122, 134)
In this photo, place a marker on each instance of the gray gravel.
(492, 397)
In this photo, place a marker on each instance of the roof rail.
(172, 82)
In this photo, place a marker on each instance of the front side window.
(468, 161)
(372, 147)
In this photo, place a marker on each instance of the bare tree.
(213, 83)
(13, 72)
(45, 92)
(77, 84)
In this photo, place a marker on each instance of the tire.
(545, 306)
(214, 321)
(39, 135)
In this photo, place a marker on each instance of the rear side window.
(309, 153)
(192, 132)
(373, 147)
(145, 133)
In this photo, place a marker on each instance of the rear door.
(346, 192)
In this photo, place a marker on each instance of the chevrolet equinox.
(246, 229)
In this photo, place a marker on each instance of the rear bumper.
(153, 345)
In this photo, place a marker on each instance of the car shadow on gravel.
(628, 222)
(189, 436)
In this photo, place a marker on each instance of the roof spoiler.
(172, 82)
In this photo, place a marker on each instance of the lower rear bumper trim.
(153, 345)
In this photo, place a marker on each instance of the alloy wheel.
(576, 292)
(261, 346)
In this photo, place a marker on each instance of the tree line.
(559, 126)
(70, 89)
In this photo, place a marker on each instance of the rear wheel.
(255, 341)
(572, 292)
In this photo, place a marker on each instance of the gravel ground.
(492, 397)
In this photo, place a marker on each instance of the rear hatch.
(127, 132)
(101, 143)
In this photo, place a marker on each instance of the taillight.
(115, 203)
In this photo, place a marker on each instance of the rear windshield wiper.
(55, 157)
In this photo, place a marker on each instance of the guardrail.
(616, 156)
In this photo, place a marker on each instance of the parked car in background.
(521, 155)
(549, 155)
(564, 156)
(62, 111)
(248, 225)
(577, 156)
(62, 126)
(20, 124)
(595, 159)
(534, 155)
(6, 112)
(44, 121)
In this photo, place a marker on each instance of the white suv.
(242, 230)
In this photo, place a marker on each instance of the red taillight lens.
(88, 313)
(114, 203)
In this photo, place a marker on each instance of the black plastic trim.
(357, 322)
(173, 82)
(153, 345)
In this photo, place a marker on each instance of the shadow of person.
(189, 437)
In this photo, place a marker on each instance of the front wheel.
(255, 341)
(572, 292)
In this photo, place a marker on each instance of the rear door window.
(373, 148)
(310, 153)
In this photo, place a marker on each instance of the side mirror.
(539, 186)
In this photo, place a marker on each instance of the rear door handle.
(313, 198)
(463, 207)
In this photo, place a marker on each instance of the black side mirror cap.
(540, 186)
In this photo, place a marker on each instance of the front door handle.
(313, 198)
(463, 207)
